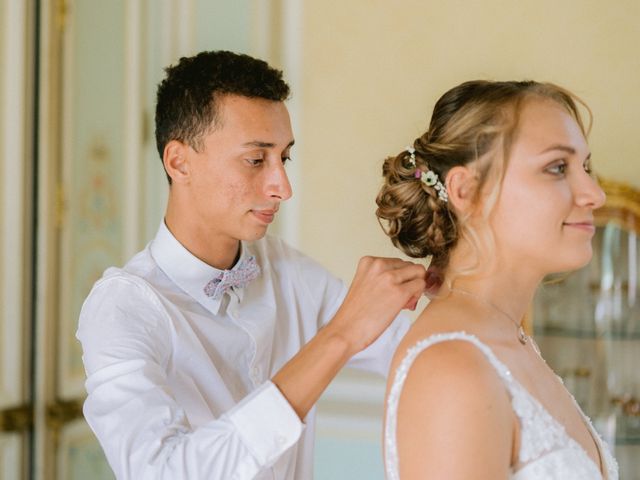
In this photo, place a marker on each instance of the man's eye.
(286, 159)
(254, 162)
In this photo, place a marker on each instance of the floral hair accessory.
(412, 156)
(429, 178)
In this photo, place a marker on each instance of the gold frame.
(622, 205)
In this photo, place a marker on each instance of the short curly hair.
(187, 99)
(475, 121)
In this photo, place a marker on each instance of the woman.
(499, 192)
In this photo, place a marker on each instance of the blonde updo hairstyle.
(474, 122)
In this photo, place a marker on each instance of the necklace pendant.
(522, 335)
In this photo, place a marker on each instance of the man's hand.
(381, 287)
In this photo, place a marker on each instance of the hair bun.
(411, 212)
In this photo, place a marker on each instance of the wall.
(372, 71)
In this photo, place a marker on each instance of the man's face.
(238, 177)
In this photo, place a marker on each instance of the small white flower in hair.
(430, 178)
(442, 192)
(412, 155)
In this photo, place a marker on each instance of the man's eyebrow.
(259, 144)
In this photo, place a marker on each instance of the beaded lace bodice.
(547, 452)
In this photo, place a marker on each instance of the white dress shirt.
(179, 383)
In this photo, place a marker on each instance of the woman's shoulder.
(452, 331)
(449, 364)
(448, 392)
(446, 359)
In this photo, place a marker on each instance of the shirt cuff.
(267, 423)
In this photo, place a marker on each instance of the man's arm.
(143, 430)
(380, 289)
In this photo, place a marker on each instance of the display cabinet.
(588, 327)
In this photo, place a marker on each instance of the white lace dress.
(547, 452)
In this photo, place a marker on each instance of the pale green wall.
(93, 159)
(223, 25)
(218, 25)
(97, 110)
(348, 459)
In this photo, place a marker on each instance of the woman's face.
(543, 218)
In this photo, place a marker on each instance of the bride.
(499, 192)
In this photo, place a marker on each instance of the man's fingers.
(381, 264)
(409, 272)
(415, 287)
(412, 303)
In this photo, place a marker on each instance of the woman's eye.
(558, 168)
(588, 168)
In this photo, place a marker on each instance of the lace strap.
(391, 450)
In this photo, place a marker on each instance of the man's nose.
(278, 183)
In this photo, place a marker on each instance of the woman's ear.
(461, 188)
(176, 161)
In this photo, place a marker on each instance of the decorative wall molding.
(178, 26)
(133, 127)
(10, 456)
(13, 218)
(48, 144)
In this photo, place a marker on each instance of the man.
(206, 353)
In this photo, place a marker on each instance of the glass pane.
(588, 327)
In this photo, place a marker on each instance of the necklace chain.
(522, 335)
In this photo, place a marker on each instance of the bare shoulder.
(452, 367)
(454, 415)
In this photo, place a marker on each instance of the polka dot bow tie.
(239, 277)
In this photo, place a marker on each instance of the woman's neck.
(510, 289)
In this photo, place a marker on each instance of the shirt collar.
(187, 271)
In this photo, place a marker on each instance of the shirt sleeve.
(329, 293)
(144, 433)
(377, 356)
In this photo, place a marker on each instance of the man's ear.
(176, 161)
(461, 188)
